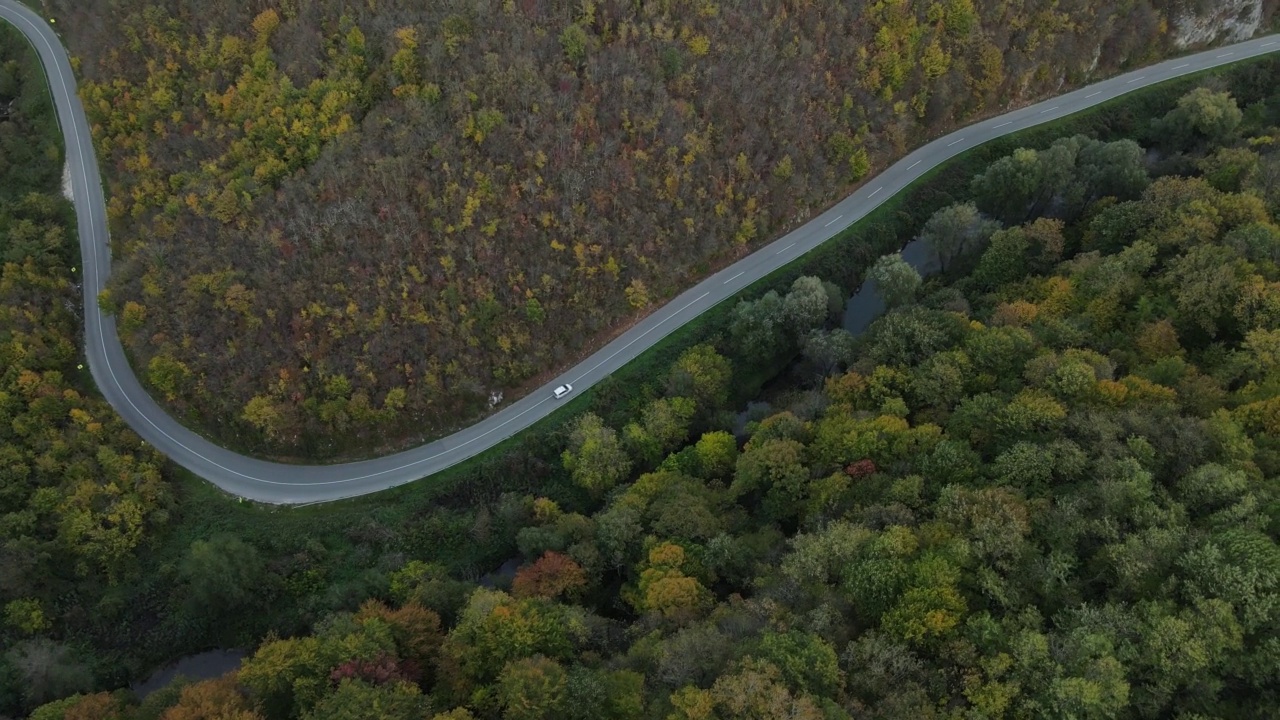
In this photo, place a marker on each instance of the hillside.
(341, 226)
(1042, 485)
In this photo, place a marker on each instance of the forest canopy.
(80, 495)
(1043, 484)
(337, 225)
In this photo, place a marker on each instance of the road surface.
(297, 484)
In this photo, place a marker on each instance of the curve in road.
(299, 484)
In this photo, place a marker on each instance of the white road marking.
(1086, 97)
(785, 249)
(1179, 67)
(1130, 82)
(837, 218)
(637, 338)
(1055, 107)
(735, 277)
(874, 193)
(1004, 123)
(957, 141)
(175, 441)
(914, 164)
(95, 268)
(62, 80)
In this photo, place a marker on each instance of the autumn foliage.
(417, 634)
(218, 699)
(861, 469)
(1041, 484)
(81, 497)
(550, 576)
(380, 670)
(338, 225)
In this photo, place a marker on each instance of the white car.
(563, 390)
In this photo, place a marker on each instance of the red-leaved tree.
(550, 576)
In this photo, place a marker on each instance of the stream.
(865, 305)
(201, 666)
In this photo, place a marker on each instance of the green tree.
(604, 695)
(951, 460)
(26, 615)
(664, 426)
(756, 690)
(807, 663)
(56, 710)
(1202, 115)
(595, 456)
(1175, 648)
(1103, 693)
(717, 454)
(287, 677)
(775, 469)
(942, 379)
(1229, 169)
(759, 326)
(359, 700)
(805, 306)
(47, 670)
(1206, 281)
(907, 336)
(455, 714)
(957, 229)
(1030, 412)
(1004, 260)
(575, 41)
(1256, 242)
(1024, 465)
(1116, 169)
(999, 352)
(995, 521)
(1211, 487)
(702, 374)
(533, 689)
(495, 629)
(1010, 188)
(924, 614)
(223, 574)
(835, 301)
(829, 350)
(1240, 566)
(896, 282)
(429, 585)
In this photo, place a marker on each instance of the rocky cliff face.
(1227, 21)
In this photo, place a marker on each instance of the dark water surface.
(865, 306)
(201, 666)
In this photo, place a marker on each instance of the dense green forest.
(1043, 484)
(341, 225)
(79, 493)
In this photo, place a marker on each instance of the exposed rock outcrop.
(1226, 21)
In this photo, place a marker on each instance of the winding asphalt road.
(296, 484)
